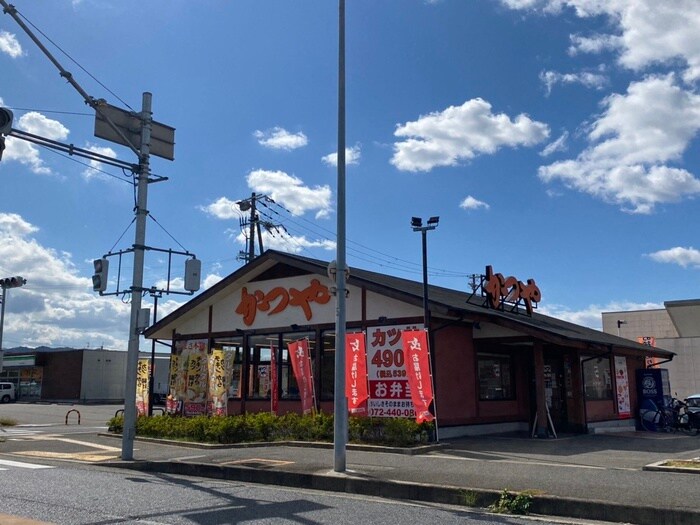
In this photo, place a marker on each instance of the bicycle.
(670, 418)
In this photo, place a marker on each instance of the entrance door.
(555, 392)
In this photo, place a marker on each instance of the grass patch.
(7, 422)
(264, 426)
(684, 463)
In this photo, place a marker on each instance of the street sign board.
(129, 123)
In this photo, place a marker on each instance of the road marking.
(74, 456)
(520, 462)
(20, 464)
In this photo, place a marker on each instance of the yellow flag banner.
(220, 374)
(142, 383)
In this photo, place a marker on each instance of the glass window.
(597, 379)
(328, 366)
(495, 376)
(233, 347)
(259, 350)
(290, 389)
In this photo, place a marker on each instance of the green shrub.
(512, 503)
(264, 426)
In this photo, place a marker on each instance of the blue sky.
(556, 139)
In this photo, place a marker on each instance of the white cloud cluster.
(280, 138)
(631, 143)
(352, 156)
(650, 32)
(9, 45)
(222, 208)
(290, 192)
(592, 316)
(471, 203)
(27, 153)
(56, 307)
(557, 145)
(96, 168)
(585, 78)
(460, 133)
(678, 255)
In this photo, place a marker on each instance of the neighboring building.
(75, 375)
(497, 365)
(676, 327)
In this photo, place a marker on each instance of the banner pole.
(432, 385)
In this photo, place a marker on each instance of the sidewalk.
(598, 476)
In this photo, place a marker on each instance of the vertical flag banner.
(171, 403)
(301, 365)
(142, 384)
(274, 388)
(219, 381)
(197, 384)
(356, 389)
(417, 363)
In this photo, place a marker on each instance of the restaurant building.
(498, 366)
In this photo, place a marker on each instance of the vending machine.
(653, 389)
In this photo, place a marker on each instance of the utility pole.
(141, 212)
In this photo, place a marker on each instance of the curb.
(442, 494)
(412, 451)
(660, 466)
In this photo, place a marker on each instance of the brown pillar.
(540, 398)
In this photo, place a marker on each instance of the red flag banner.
(301, 364)
(356, 390)
(417, 363)
(274, 391)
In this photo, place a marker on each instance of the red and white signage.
(301, 364)
(274, 389)
(417, 363)
(356, 390)
(389, 391)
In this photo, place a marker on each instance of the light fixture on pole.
(417, 225)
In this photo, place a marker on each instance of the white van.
(7, 392)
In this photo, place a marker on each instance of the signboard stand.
(551, 424)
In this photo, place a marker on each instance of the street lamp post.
(417, 225)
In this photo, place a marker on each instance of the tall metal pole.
(2, 322)
(426, 310)
(340, 421)
(132, 359)
(151, 375)
(251, 237)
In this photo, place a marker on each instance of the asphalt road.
(69, 494)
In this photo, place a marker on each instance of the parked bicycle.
(670, 418)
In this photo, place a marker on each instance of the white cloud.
(96, 168)
(280, 239)
(591, 316)
(631, 142)
(460, 133)
(649, 32)
(586, 79)
(9, 45)
(280, 138)
(470, 203)
(352, 156)
(27, 153)
(681, 256)
(290, 192)
(222, 208)
(56, 307)
(557, 145)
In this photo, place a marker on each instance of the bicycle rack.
(120, 411)
(69, 412)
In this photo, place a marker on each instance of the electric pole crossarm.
(70, 149)
(90, 101)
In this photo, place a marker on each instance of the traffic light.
(5, 121)
(99, 279)
(5, 127)
(12, 282)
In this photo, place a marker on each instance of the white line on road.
(21, 464)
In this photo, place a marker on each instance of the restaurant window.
(289, 387)
(233, 348)
(495, 376)
(260, 347)
(328, 365)
(597, 379)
